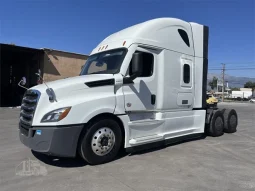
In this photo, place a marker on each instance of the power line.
(241, 66)
(232, 69)
(237, 63)
(235, 66)
(241, 69)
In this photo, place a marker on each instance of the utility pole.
(223, 80)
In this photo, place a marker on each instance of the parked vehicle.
(252, 100)
(144, 84)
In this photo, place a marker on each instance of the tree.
(213, 83)
(250, 84)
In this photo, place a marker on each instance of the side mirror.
(23, 81)
(137, 66)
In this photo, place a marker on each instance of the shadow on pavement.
(68, 162)
(162, 145)
(79, 162)
(59, 161)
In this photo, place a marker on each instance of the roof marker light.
(102, 47)
(106, 46)
(124, 43)
(99, 48)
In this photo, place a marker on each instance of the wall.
(59, 65)
(241, 94)
(17, 62)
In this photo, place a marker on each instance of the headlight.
(56, 115)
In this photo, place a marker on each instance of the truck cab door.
(186, 92)
(140, 95)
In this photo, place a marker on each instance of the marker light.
(124, 43)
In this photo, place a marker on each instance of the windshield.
(108, 62)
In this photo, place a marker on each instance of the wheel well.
(98, 117)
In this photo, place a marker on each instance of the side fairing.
(201, 42)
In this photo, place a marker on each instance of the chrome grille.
(28, 106)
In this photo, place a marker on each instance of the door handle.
(153, 99)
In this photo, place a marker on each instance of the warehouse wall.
(59, 65)
(17, 62)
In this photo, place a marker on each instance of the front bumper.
(55, 140)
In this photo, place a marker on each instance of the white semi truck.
(143, 85)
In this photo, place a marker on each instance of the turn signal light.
(64, 114)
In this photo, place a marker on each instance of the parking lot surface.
(222, 163)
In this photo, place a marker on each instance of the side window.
(148, 62)
(184, 36)
(186, 73)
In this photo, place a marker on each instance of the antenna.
(42, 79)
(49, 91)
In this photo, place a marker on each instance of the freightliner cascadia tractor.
(142, 86)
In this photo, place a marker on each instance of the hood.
(64, 86)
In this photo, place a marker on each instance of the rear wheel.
(101, 142)
(230, 120)
(216, 125)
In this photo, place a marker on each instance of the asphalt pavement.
(222, 163)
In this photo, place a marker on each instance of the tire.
(230, 120)
(216, 125)
(101, 142)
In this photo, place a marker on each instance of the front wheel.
(102, 141)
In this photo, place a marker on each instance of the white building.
(243, 93)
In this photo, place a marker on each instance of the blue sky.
(78, 26)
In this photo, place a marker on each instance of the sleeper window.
(184, 36)
(147, 65)
(186, 73)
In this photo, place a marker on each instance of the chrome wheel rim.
(103, 141)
